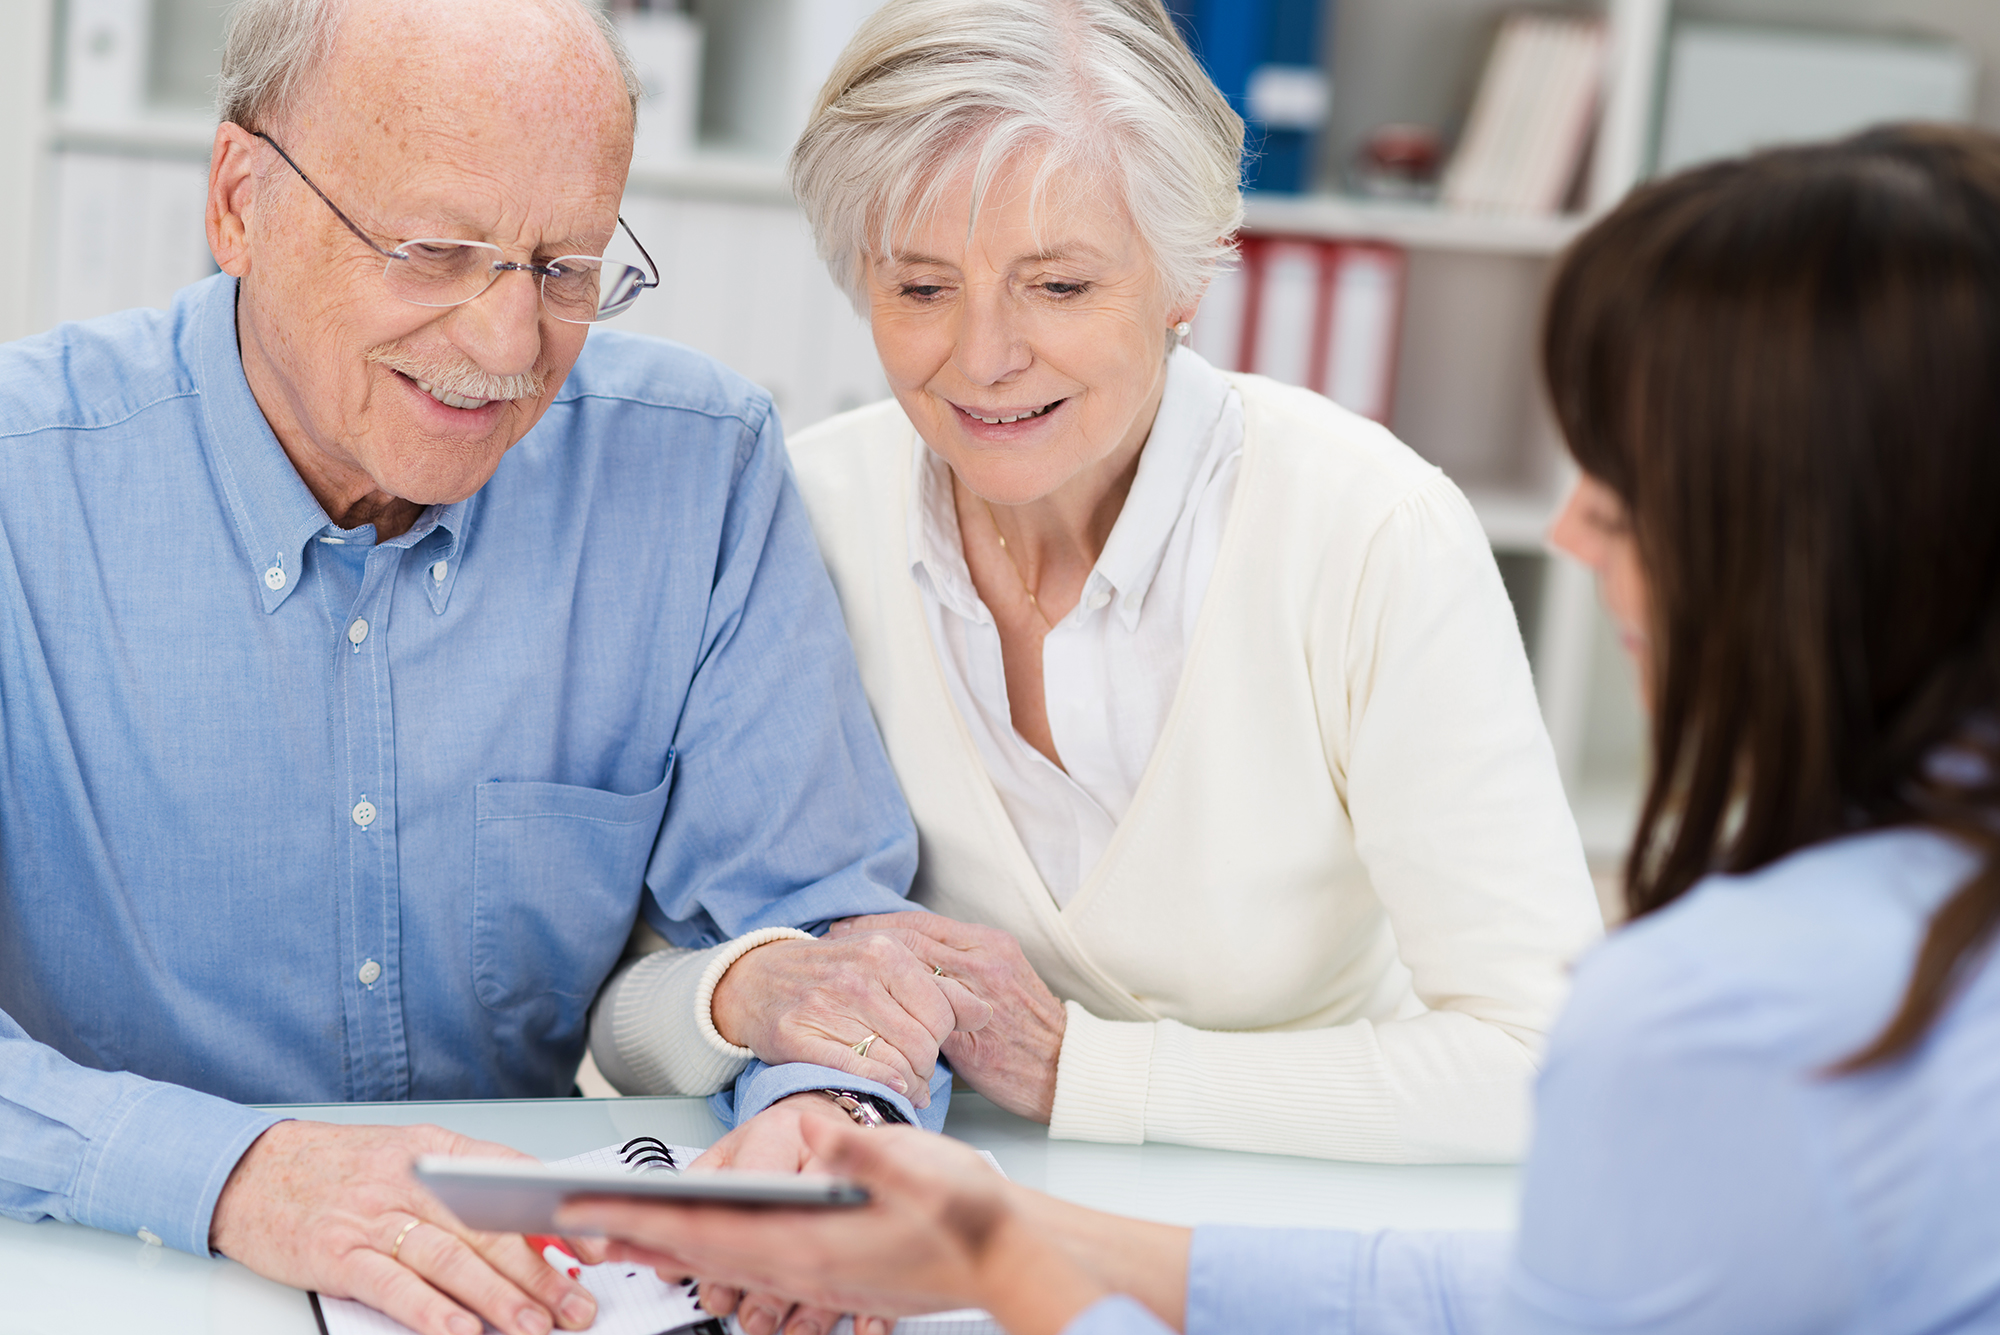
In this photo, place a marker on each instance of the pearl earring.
(1181, 330)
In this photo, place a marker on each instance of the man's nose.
(500, 329)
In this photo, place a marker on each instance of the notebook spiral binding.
(647, 1154)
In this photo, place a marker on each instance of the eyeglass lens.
(580, 289)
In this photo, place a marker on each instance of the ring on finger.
(396, 1247)
(861, 1048)
(936, 971)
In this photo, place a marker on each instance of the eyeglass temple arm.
(398, 255)
(345, 220)
(643, 254)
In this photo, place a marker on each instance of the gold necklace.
(1015, 565)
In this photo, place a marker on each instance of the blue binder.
(1235, 38)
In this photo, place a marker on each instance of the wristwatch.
(865, 1109)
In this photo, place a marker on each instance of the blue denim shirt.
(290, 815)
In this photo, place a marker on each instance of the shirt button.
(370, 971)
(357, 632)
(439, 570)
(364, 813)
(1099, 599)
(274, 579)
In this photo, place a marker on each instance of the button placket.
(369, 861)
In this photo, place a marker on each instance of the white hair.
(929, 86)
(273, 49)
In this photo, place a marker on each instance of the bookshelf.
(742, 283)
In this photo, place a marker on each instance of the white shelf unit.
(115, 209)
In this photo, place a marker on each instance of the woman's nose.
(1573, 535)
(991, 344)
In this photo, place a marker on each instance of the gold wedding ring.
(397, 1247)
(861, 1048)
(936, 972)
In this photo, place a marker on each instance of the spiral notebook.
(631, 1299)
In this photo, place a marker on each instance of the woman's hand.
(771, 1142)
(941, 1230)
(813, 1001)
(1012, 1059)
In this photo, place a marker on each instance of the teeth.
(1017, 417)
(450, 400)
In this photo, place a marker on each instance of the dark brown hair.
(1788, 369)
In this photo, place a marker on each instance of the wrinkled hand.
(1012, 1059)
(319, 1207)
(812, 1001)
(940, 1230)
(772, 1142)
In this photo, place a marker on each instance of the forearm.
(1144, 1260)
(1029, 1280)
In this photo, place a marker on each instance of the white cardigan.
(1337, 918)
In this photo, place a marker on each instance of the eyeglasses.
(444, 271)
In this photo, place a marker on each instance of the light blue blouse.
(1694, 1167)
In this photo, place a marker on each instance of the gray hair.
(272, 49)
(928, 86)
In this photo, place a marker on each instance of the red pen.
(557, 1253)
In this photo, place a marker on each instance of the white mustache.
(455, 377)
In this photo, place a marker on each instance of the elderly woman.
(1232, 793)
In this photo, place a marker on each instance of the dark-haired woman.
(1774, 1102)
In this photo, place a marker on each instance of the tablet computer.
(520, 1196)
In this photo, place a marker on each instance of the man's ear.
(232, 197)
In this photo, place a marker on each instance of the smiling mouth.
(445, 396)
(1032, 413)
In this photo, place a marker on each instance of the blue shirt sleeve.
(110, 1150)
(760, 1086)
(1116, 1315)
(1392, 1283)
(784, 810)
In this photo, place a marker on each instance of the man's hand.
(1011, 1060)
(771, 1142)
(321, 1207)
(940, 1230)
(812, 1001)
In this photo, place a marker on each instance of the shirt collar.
(274, 512)
(1190, 407)
(937, 551)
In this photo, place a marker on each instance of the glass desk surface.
(59, 1279)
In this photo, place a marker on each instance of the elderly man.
(374, 656)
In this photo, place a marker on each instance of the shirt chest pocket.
(556, 878)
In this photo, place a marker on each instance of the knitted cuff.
(1103, 1074)
(704, 995)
